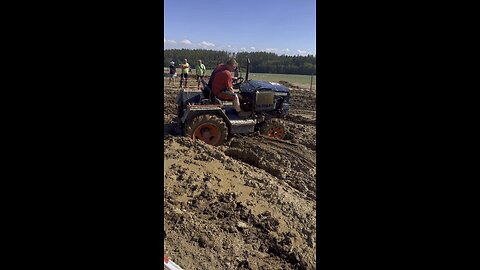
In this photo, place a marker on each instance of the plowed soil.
(249, 204)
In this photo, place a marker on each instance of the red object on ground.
(170, 265)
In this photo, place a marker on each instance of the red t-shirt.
(222, 80)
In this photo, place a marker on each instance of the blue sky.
(279, 26)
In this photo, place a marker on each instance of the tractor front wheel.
(209, 128)
(273, 128)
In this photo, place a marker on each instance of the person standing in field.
(184, 75)
(172, 74)
(200, 70)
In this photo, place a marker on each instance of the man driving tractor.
(221, 82)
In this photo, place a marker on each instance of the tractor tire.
(273, 128)
(209, 128)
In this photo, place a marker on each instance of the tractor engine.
(265, 98)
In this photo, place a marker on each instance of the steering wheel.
(237, 81)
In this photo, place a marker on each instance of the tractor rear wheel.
(273, 128)
(209, 128)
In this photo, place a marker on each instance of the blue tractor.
(203, 116)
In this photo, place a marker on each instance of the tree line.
(260, 62)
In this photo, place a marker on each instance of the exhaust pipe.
(248, 69)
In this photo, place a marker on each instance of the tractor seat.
(207, 93)
(223, 102)
(222, 99)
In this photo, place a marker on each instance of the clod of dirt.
(242, 225)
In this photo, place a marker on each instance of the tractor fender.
(195, 110)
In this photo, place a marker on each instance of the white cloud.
(252, 48)
(207, 44)
(171, 41)
(285, 51)
(229, 46)
(301, 52)
(243, 49)
(186, 41)
(271, 50)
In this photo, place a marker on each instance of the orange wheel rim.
(276, 132)
(208, 133)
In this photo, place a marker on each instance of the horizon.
(282, 27)
(233, 52)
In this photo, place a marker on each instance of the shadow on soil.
(171, 129)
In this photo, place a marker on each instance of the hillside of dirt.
(249, 204)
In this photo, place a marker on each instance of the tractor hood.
(252, 85)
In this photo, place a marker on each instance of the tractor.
(203, 116)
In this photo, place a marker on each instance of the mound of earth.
(289, 85)
(292, 163)
(303, 102)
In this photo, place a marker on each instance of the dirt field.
(249, 204)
